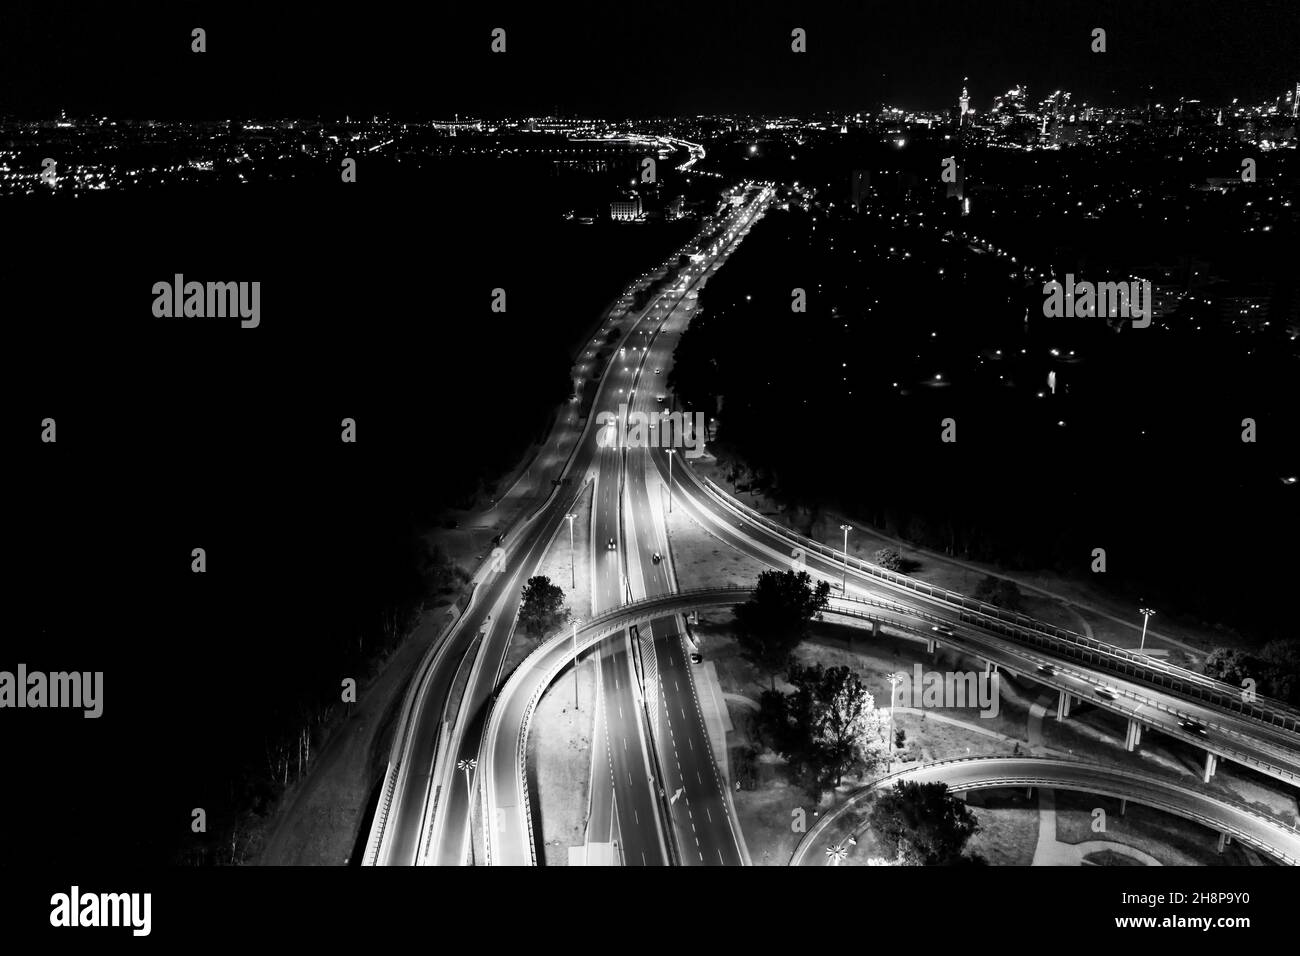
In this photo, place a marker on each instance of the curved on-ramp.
(507, 813)
(981, 773)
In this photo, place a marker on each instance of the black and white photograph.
(664, 434)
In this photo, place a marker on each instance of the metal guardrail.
(1012, 624)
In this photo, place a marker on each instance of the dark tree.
(827, 727)
(923, 824)
(889, 559)
(1231, 665)
(1282, 670)
(543, 607)
(771, 624)
(999, 592)
(1275, 669)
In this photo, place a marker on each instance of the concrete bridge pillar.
(1224, 840)
(875, 628)
(1211, 765)
(1123, 805)
(930, 645)
(1063, 705)
(1134, 735)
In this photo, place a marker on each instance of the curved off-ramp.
(1237, 820)
(502, 758)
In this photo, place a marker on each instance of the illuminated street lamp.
(575, 663)
(573, 567)
(671, 452)
(846, 528)
(468, 765)
(839, 852)
(894, 681)
(1146, 613)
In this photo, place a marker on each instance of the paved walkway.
(1051, 852)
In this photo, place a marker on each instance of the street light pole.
(1146, 613)
(468, 766)
(573, 561)
(846, 528)
(671, 452)
(894, 681)
(575, 665)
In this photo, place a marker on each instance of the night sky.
(628, 58)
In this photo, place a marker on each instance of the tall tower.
(964, 100)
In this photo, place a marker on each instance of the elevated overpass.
(506, 806)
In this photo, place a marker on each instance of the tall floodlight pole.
(671, 452)
(573, 561)
(846, 528)
(1146, 613)
(468, 766)
(575, 664)
(894, 681)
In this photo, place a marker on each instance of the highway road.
(703, 827)
(653, 688)
(627, 506)
(445, 823)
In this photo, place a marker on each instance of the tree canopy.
(771, 624)
(922, 824)
(827, 727)
(543, 606)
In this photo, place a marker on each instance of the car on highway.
(1047, 669)
(1192, 726)
(656, 557)
(695, 657)
(1103, 691)
(939, 629)
(611, 546)
(658, 370)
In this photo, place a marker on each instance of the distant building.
(625, 209)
